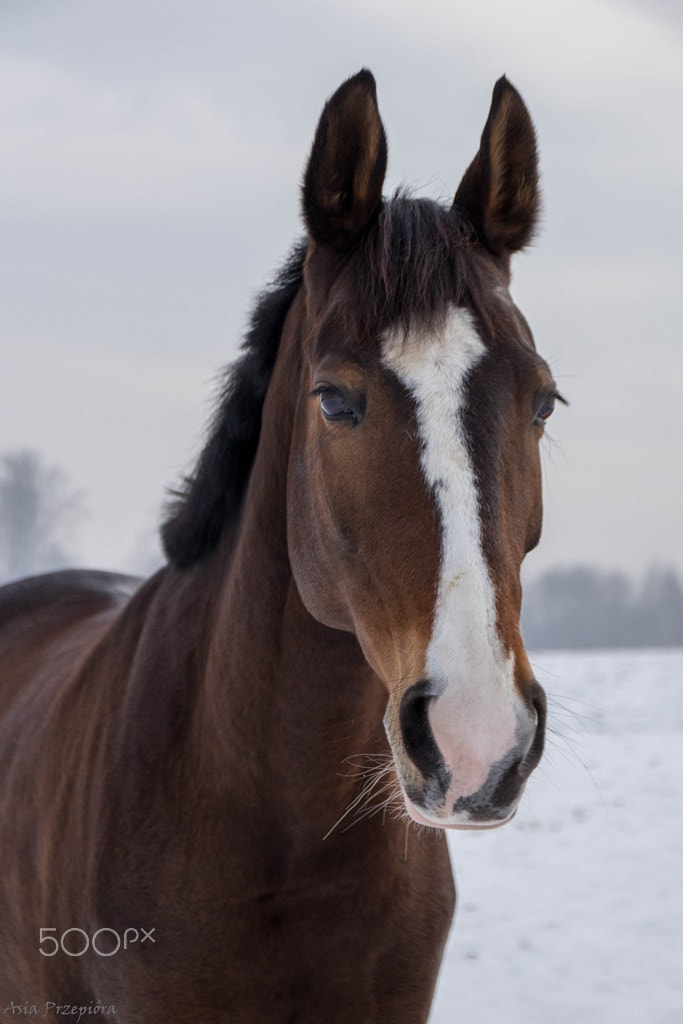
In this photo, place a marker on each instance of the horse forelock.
(416, 262)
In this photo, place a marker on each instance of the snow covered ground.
(573, 913)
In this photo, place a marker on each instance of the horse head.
(414, 478)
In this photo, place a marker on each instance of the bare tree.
(38, 512)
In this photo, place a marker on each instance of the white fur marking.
(475, 717)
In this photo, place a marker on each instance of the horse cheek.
(313, 548)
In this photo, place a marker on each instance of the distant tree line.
(588, 607)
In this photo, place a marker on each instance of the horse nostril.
(537, 699)
(418, 738)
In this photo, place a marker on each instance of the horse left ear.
(342, 188)
(499, 192)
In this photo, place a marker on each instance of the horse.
(224, 790)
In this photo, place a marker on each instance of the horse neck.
(284, 700)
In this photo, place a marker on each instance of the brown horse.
(193, 769)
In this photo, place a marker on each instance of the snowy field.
(573, 913)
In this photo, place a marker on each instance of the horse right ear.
(342, 189)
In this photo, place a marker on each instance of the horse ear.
(342, 189)
(499, 192)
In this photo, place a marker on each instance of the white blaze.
(474, 719)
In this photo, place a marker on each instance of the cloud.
(149, 164)
(69, 144)
(586, 52)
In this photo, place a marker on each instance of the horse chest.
(364, 947)
(353, 938)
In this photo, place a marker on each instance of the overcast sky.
(150, 159)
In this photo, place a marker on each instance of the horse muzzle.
(465, 767)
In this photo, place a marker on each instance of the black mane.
(212, 495)
(414, 262)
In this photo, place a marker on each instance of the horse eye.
(333, 405)
(545, 411)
